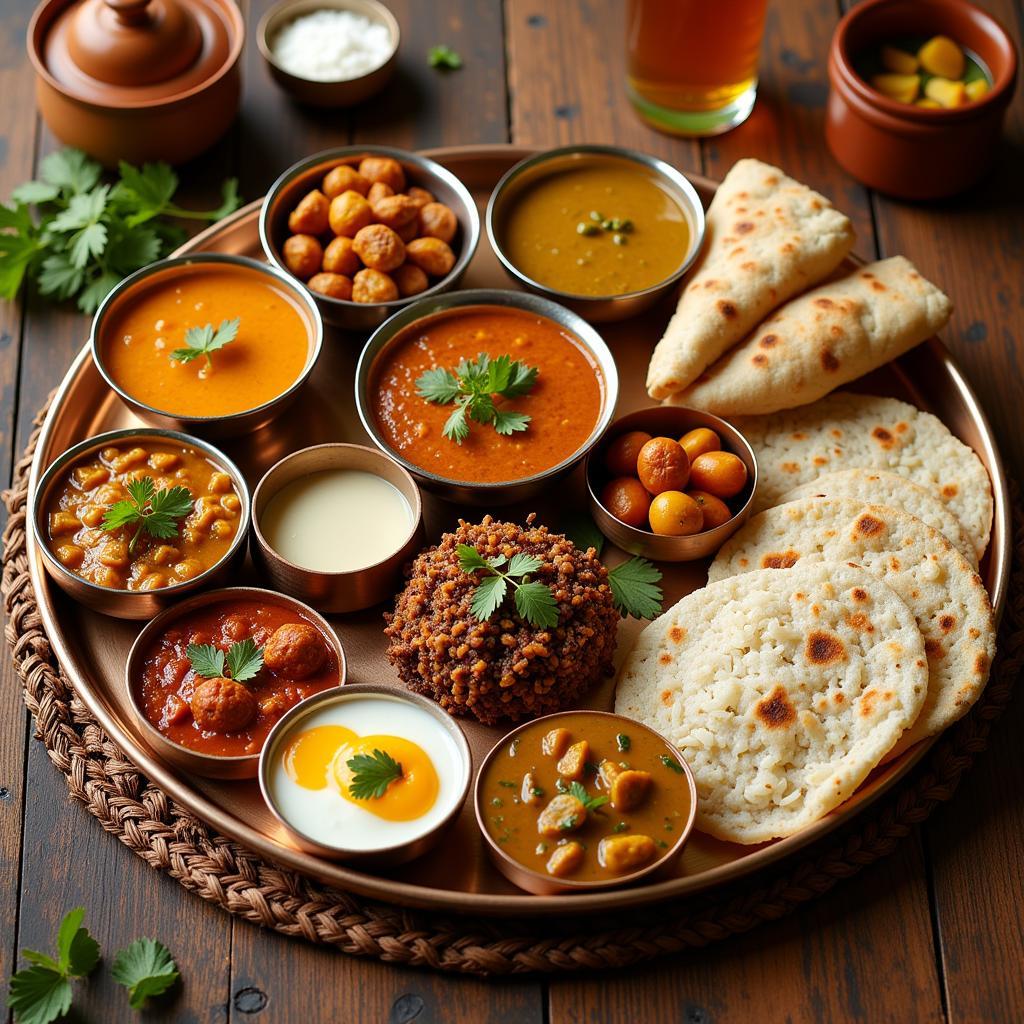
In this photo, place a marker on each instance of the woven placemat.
(172, 840)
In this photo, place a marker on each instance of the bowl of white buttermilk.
(329, 53)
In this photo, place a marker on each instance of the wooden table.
(931, 933)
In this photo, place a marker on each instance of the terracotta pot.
(137, 80)
(908, 151)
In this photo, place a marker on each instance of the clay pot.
(900, 149)
(137, 80)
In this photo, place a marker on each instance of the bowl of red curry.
(486, 396)
(209, 678)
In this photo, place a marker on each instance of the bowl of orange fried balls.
(670, 483)
(368, 231)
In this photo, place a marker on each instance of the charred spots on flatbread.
(981, 663)
(868, 525)
(775, 710)
(677, 634)
(780, 559)
(824, 648)
(769, 340)
(759, 359)
(860, 595)
(743, 227)
(883, 437)
(727, 309)
(860, 622)
(934, 649)
(947, 623)
(829, 363)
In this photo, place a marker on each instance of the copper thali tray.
(92, 648)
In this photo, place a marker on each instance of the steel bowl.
(542, 884)
(386, 856)
(670, 421)
(214, 766)
(338, 92)
(307, 174)
(335, 592)
(233, 424)
(596, 308)
(469, 492)
(135, 604)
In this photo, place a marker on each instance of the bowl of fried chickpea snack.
(368, 231)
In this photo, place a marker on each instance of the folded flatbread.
(768, 238)
(833, 334)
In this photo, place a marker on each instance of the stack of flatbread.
(752, 334)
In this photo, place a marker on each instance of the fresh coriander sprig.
(155, 512)
(244, 660)
(590, 803)
(42, 992)
(444, 58)
(202, 341)
(534, 600)
(372, 774)
(146, 968)
(77, 238)
(473, 387)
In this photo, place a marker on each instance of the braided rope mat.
(221, 871)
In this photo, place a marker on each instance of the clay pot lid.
(111, 51)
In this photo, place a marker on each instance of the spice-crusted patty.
(503, 668)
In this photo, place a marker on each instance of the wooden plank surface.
(931, 933)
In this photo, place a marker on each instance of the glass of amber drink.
(692, 64)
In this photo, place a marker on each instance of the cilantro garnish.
(244, 660)
(202, 341)
(444, 58)
(78, 238)
(623, 742)
(372, 774)
(534, 600)
(146, 968)
(472, 387)
(671, 763)
(155, 512)
(590, 803)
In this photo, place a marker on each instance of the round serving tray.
(91, 648)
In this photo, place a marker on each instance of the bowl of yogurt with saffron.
(329, 53)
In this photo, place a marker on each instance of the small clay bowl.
(378, 857)
(336, 592)
(232, 424)
(213, 766)
(595, 308)
(135, 604)
(901, 149)
(342, 92)
(542, 884)
(670, 421)
(308, 174)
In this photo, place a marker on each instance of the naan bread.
(883, 488)
(767, 238)
(783, 689)
(846, 429)
(935, 581)
(833, 334)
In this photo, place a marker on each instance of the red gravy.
(167, 681)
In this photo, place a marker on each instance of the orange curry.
(269, 353)
(564, 403)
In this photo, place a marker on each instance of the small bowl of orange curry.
(214, 344)
(584, 800)
(486, 396)
(130, 520)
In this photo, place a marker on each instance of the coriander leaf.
(206, 660)
(671, 763)
(202, 341)
(499, 374)
(83, 209)
(506, 423)
(635, 588)
(438, 385)
(14, 218)
(142, 489)
(154, 511)
(59, 276)
(229, 200)
(444, 58)
(39, 995)
(590, 803)
(35, 192)
(121, 513)
(87, 243)
(470, 559)
(40, 959)
(497, 561)
(523, 379)
(146, 968)
(489, 594)
(523, 564)
(583, 532)
(372, 774)
(481, 407)
(70, 170)
(77, 951)
(150, 188)
(164, 508)
(129, 250)
(536, 604)
(245, 659)
(455, 427)
(96, 291)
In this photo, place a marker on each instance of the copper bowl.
(596, 308)
(901, 149)
(670, 421)
(469, 492)
(307, 174)
(341, 92)
(139, 122)
(232, 424)
(135, 604)
(215, 766)
(542, 884)
(387, 856)
(336, 592)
